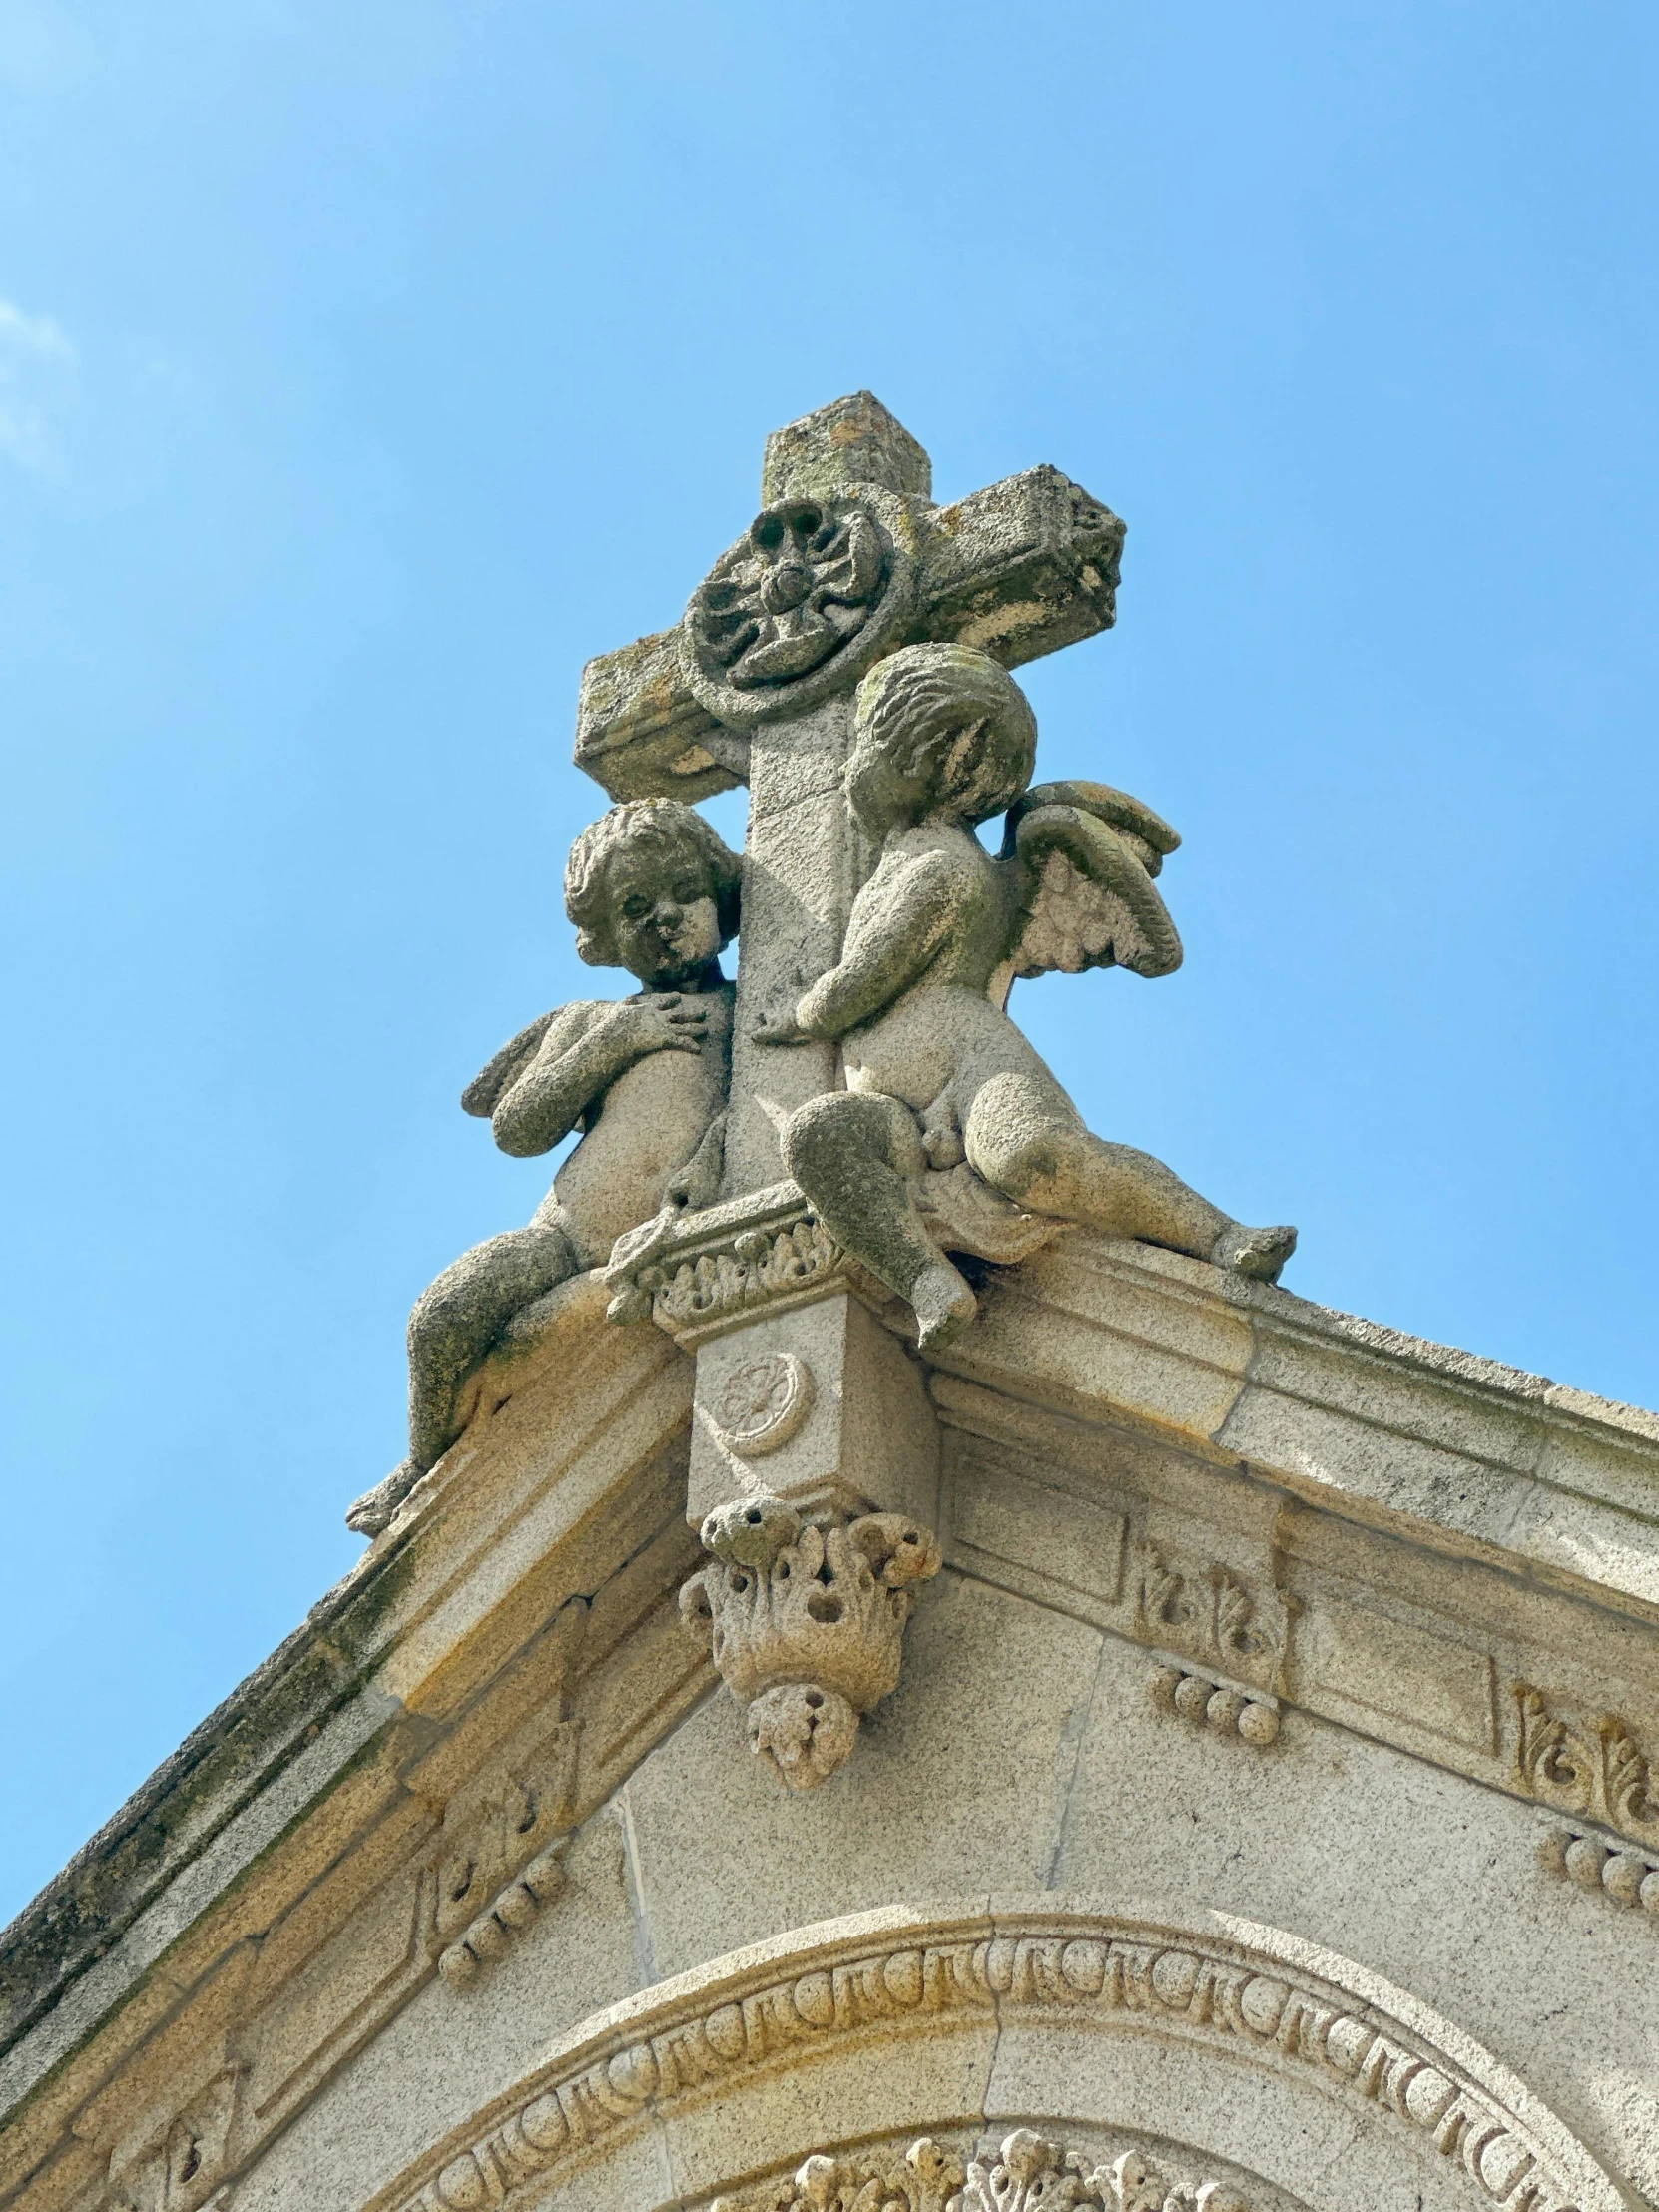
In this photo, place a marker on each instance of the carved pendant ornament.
(806, 1623)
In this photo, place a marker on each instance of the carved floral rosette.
(806, 1623)
(811, 595)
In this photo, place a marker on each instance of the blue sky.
(364, 369)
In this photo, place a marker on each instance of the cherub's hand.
(663, 1023)
(780, 1028)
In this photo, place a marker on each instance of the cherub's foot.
(1257, 1252)
(943, 1305)
(373, 1512)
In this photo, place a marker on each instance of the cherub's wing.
(1084, 856)
(486, 1091)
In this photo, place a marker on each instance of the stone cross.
(847, 560)
(809, 1410)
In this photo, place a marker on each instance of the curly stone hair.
(679, 833)
(956, 717)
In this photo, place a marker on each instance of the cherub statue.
(651, 887)
(936, 1073)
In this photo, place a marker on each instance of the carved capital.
(806, 1622)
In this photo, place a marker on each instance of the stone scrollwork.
(806, 1623)
(725, 1263)
(1595, 1770)
(1027, 2173)
(180, 2168)
(503, 1864)
(772, 1251)
(1241, 1629)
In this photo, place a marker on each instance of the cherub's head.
(653, 888)
(940, 732)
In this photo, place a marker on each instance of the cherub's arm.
(901, 918)
(583, 1051)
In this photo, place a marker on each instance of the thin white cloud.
(37, 371)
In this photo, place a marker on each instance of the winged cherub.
(653, 888)
(944, 738)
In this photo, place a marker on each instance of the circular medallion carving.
(761, 1404)
(809, 597)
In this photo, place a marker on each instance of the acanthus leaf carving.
(806, 1623)
(1027, 2173)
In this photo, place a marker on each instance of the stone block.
(851, 442)
(862, 1433)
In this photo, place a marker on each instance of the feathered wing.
(486, 1090)
(1082, 858)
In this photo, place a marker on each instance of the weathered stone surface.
(851, 442)
(936, 1074)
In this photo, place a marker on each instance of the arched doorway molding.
(1244, 2049)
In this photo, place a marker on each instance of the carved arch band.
(995, 2057)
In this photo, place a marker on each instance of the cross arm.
(1021, 568)
(641, 734)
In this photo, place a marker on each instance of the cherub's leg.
(1026, 1139)
(454, 1323)
(459, 1316)
(851, 1152)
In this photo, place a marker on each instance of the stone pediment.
(1303, 1572)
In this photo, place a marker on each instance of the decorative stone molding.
(1595, 1770)
(1598, 1864)
(1027, 2174)
(806, 1623)
(1249, 1999)
(727, 1262)
(769, 1250)
(503, 1865)
(1220, 1707)
(181, 2166)
(1241, 1629)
